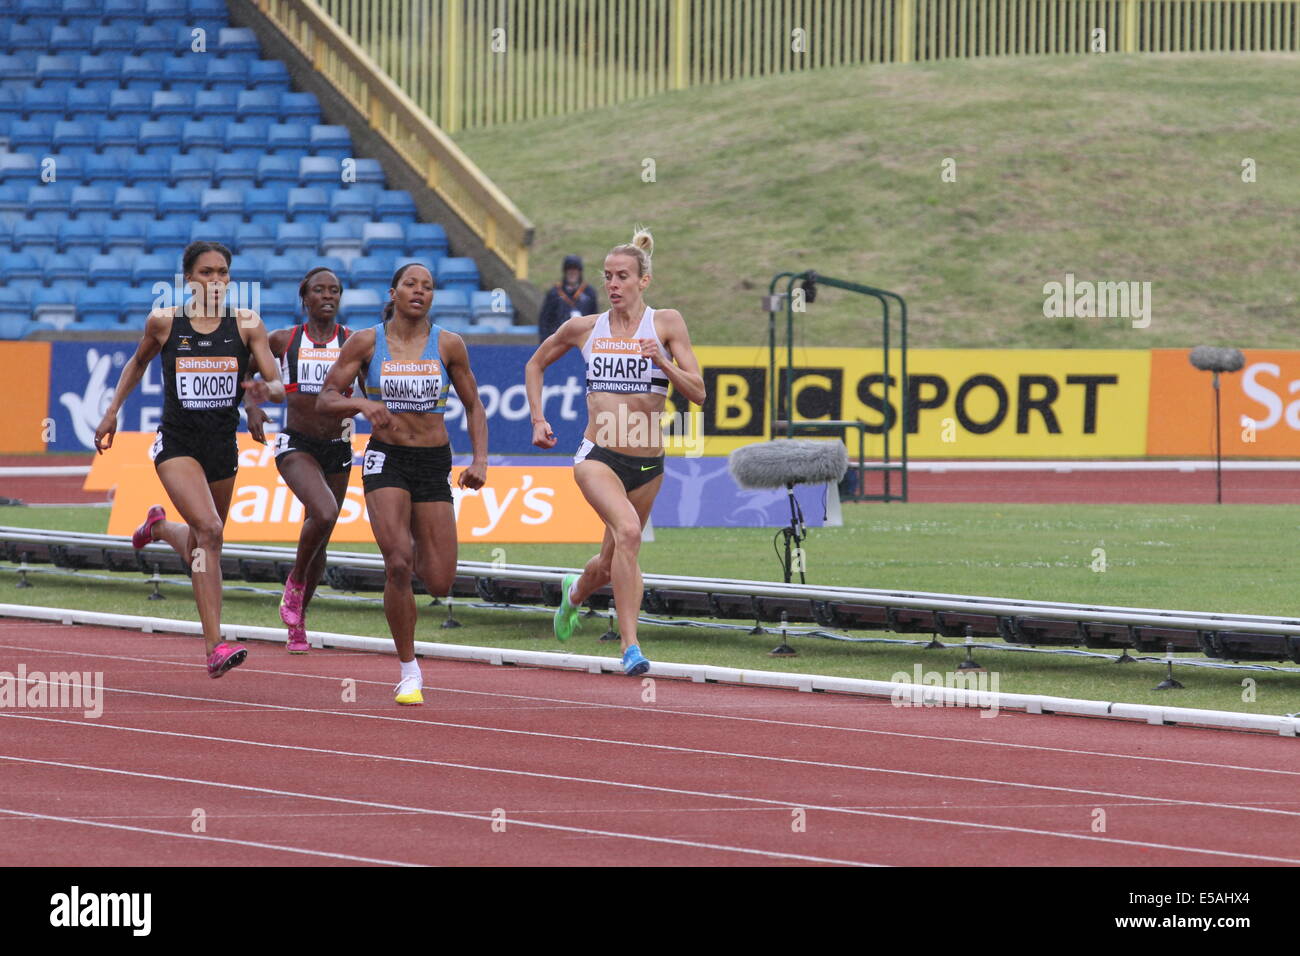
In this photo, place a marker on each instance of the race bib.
(156, 448)
(207, 382)
(313, 366)
(281, 444)
(410, 386)
(374, 462)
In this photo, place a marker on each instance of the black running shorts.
(425, 472)
(632, 470)
(219, 457)
(333, 456)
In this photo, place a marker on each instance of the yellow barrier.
(472, 63)
(402, 122)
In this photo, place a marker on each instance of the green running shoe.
(566, 615)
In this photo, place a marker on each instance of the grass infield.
(1203, 558)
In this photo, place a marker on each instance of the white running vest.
(616, 365)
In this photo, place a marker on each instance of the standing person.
(313, 452)
(206, 349)
(406, 363)
(633, 353)
(566, 300)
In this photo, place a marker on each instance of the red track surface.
(583, 771)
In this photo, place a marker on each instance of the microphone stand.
(795, 534)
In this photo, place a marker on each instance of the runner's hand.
(378, 414)
(256, 391)
(543, 437)
(257, 420)
(473, 477)
(650, 350)
(105, 432)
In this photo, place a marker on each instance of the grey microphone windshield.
(788, 461)
(1213, 359)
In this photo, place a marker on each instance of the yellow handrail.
(473, 197)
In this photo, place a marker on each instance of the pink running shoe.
(223, 657)
(291, 603)
(144, 534)
(298, 640)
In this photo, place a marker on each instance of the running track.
(583, 771)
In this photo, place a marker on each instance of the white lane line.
(438, 813)
(733, 717)
(669, 748)
(199, 836)
(551, 826)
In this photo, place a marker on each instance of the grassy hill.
(1113, 168)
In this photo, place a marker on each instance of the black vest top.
(203, 375)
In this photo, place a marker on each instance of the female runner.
(630, 353)
(406, 363)
(206, 349)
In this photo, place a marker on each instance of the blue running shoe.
(634, 664)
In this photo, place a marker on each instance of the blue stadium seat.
(254, 238)
(17, 166)
(276, 169)
(167, 236)
(288, 139)
(203, 138)
(91, 202)
(216, 203)
(36, 236)
(124, 239)
(367, 172)
(142, 72)
(247, 268)
(159, 136)
(319, 169)
(34, 11)
(87, 105)
(20, 273)
(246, 140)
(371, 271)
(234, 171)
(103, 71)
(173, 103)
(150, 39)
(232, 40)
(15, 71)
(111, 40)
(14, 325)
(168, 14)
(426, 239)
(118, 135)
(154, 267)
(68, 39)
(208, 10)
(334, 141)
(135, 201)
(13, 202)
(254, 103)
(395, 205)
(360, 306)
(355, 206)
(64, 266)
(81, 9)
(27, 36)
(194, 172)
(56, 72)
(55, 307)
(279, 309)
(180, 201)
(49, 199)
(105, 268)
(215, 104)
(99, 307)
(308, 205)
(135, 105)
(123, 12)
(63, 168)
(458, 273)
(140, 299)
(15, 301)
(80, 236)
(183, 74)
(11, 105)
(382, 238)
(299, 237)
(286, 269)
(185, 41)
(490, 305)
(450, 305)
(151, 169)
(267, 204)
(36, 135)
(75, 139)
(300, 106)
(268, 75)
(227, 74)
(48, 105)
(341, 239)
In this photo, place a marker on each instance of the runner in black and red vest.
(314, 451)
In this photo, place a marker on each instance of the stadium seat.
(11, 106)
(168, 14)
(341, 239)
(491, 305)
(13, 325)
(277, 169)
(186, 40)
(247, 141)
(203, 138)
(458, 274)
(64, 266)
(334, 141)
(207, 10)
(366, 172)
(116, 138)
(49, 199)
(246, 268)
(300, 237)
(13, 201)
(266, 205)
(90, 202)
(232, 171)
(80, 236)
(15, 71)
(149, 39)
(122, 12)
(288, 139)
(166, 236)
(27, 36)
(33, 135)
(171, 103)
(450, 305)
(254, 238)
(81, 9)
(17, 167)
(44, 105)
(124, 238)
(319, 169)
(135, 201)
(151, 169)
(286, 269)
(232, 40)
(380, 238)
(268, 75)
(68, 39)
(371, 272)
(279, 309)
(99, 307)
(159, 135)
(300, 106)
(105, 268)
(154, 267)
(220, 205)
(255, 103)
(215, 104)
(182, 74)
(308, 205)
(426, 239)
(227, 74)
(355, 206)
(56, 72)
(56, 306)
(395, 205)
(20, 273)
(136, 105)
(103, 71)
(142, 72)
(88, 105)
(111, 40)
(63, 168)
(140, 299)
(360, 307)
(192, 171)
(178, 201)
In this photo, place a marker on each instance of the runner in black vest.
(314, 451)
(206, 350)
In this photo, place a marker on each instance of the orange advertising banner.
(25, 396)
(519, 504)
(1260, 414)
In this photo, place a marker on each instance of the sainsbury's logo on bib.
(207, 382)
(621, 346)
(313, 366)
(410, 386)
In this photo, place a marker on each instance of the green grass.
(1114, 168)
(1230, 558)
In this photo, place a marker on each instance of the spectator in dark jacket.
(566, 299)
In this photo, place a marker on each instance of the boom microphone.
(788, 461)
(1212, 359)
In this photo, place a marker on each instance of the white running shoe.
(408, 690)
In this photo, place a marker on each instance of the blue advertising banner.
(83, 376)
